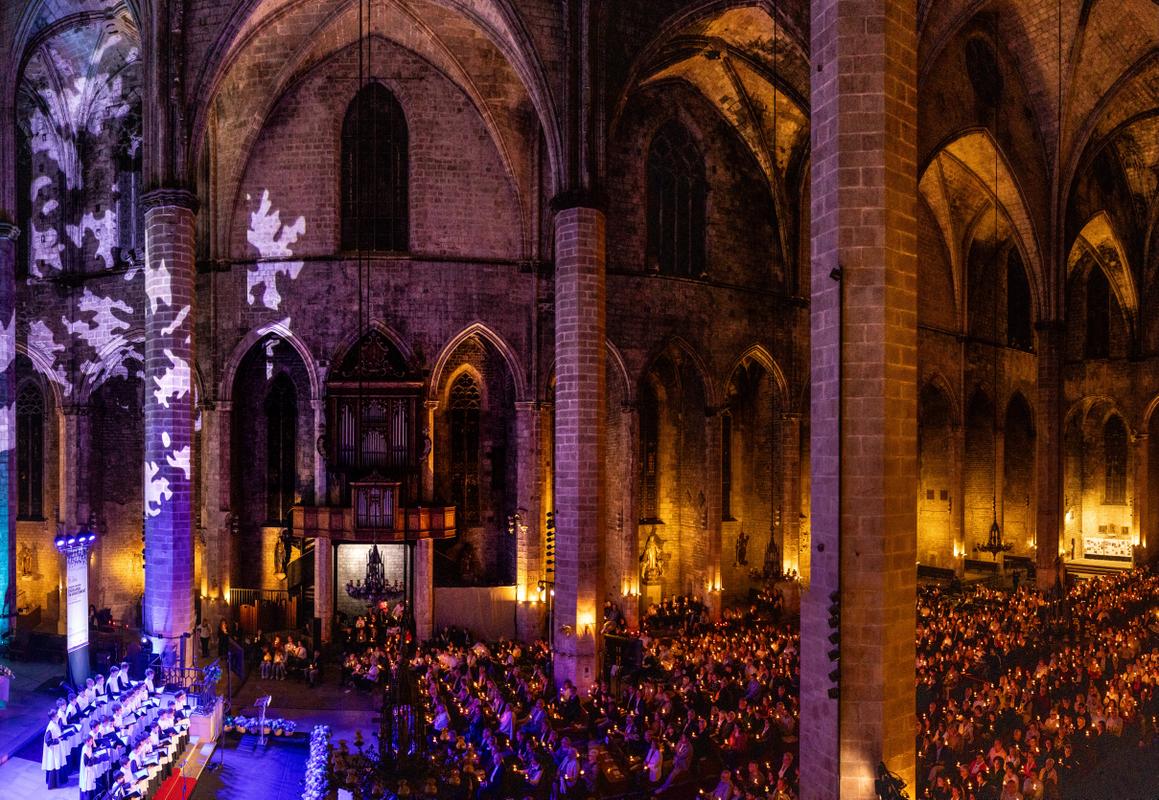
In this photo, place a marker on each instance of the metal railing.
(198, 682)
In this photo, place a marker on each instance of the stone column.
(958, 499)
(424, 580)
(428, 464)
(1048, 490)
(529, 534)
(169, 416)
(630, 528)
(999, 499)
(215, 472)
(324, 585)
(579, 429)
(791, 491)
(713, 587)
(8, 235)
(864, 398)
(1140, 497)
(74, 460)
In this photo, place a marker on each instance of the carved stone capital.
(170, 196)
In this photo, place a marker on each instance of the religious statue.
(742, 549)
(652, 559)
(26, 561)
(426, 451)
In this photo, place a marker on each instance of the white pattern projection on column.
(169, 417)
(8, 234)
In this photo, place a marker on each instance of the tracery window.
(676, 204)
(465, 406)
(30, 452)
(375, 173)
(1019, 322)
(649, 456)
(1115, 457)
(281, 411)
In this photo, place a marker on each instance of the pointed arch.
(760, 354)
(110, 359)
(488, 335)
(680, 345)
(1016, 402)
(43, 365)
(281, 331)
(972, 154)
(1084, 408)
(616, 361)
(1098, 242)
(351, 340)
(936, 381)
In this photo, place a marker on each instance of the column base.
(576, 661)
(424, 589)
(530, 621)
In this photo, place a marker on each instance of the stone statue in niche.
(426, 451)
(652, 559)
(742, 549)
(27, 562)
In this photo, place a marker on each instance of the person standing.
(203, 632)
(52, 756)
(222, 638)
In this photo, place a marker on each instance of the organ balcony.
(374, 515)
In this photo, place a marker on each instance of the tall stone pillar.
(428, 462)
(8, 235)
(324, 586)
(630, 528)
(169, 416)
(791, 492)
(864, 398)
(1048, 459)
(529, 554)
(579, 444)
(958, 498)
(714, 590)
(1141, 500)
(999, 499)
(424, 578)
(215, 472)
(74, 458)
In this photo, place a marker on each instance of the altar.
(1109, 548)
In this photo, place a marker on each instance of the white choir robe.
(90, 770)
(52, 756)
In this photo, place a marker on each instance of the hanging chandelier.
(994, 543)
(374, 588)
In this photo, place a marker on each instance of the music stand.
(262, 703)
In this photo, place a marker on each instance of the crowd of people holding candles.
(119, 735)
(1016, 690)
